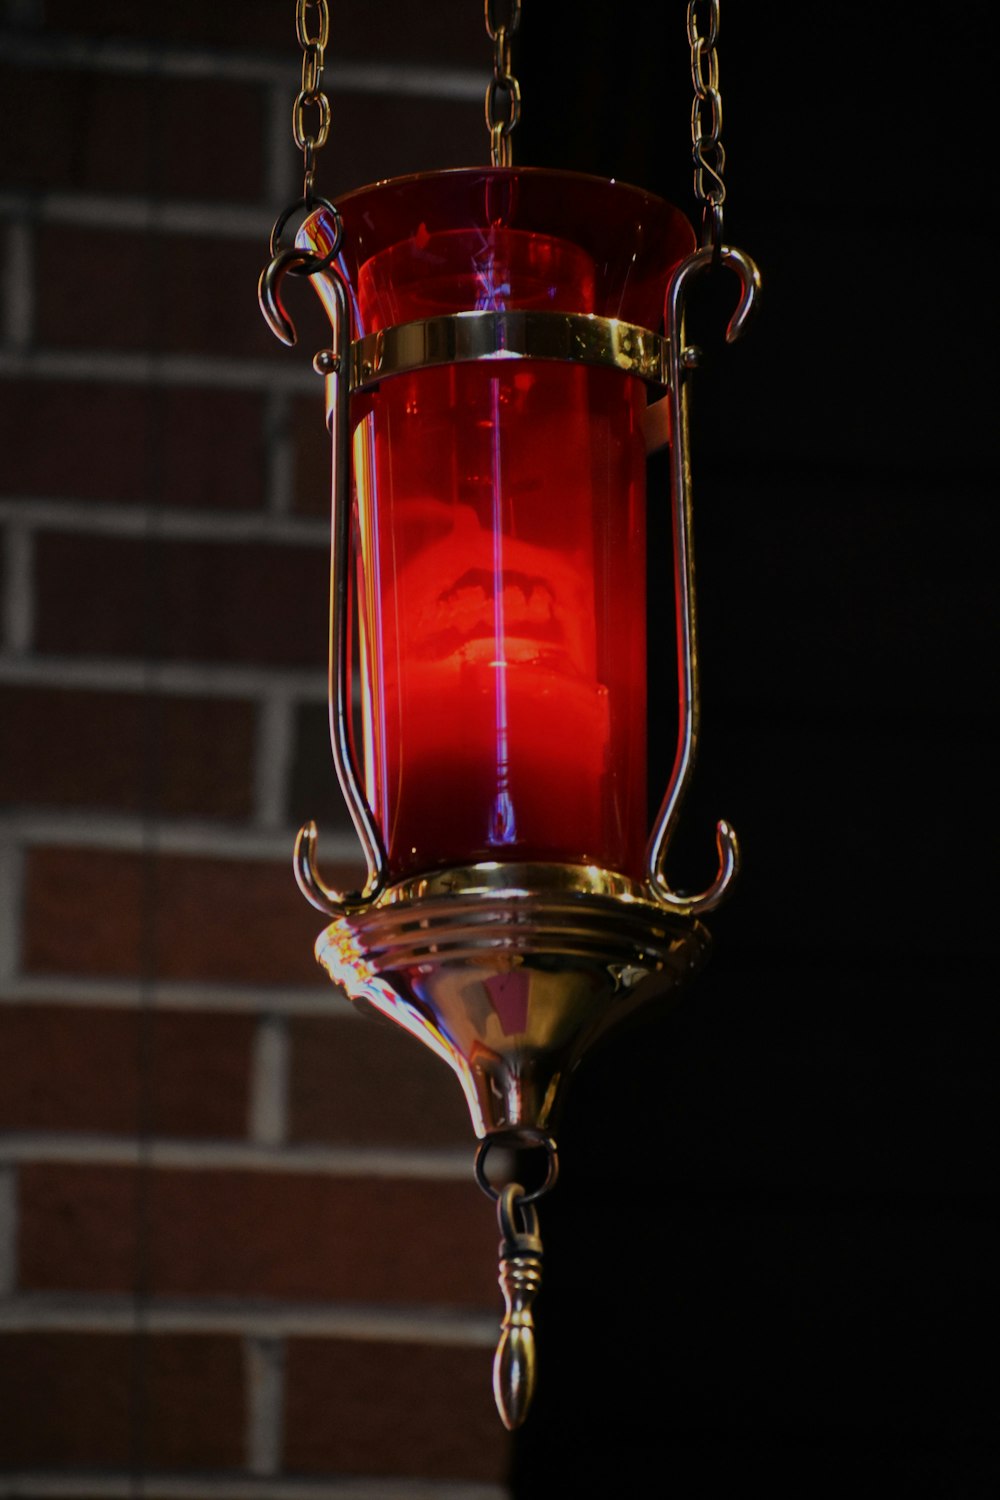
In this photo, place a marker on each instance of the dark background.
(774, 1248)
(773, 1251)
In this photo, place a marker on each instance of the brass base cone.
(509, 973)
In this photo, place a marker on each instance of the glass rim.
(629, 189)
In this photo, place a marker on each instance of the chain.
(310, 128)
(503, 85)
(708, 151)
(311, 113)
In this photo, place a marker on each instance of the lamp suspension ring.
(517, 1140)
(309, 264)
(295, 261)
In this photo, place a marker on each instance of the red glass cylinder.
(500, 522)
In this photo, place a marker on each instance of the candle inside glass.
(501, 568)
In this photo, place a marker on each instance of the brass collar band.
(459, 338)
(514, 880)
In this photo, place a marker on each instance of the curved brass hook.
(269, 292)
(749, 275)
(312, 885)
(307, 877)
(684, 598)
(728, 849)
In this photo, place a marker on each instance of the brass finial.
(514, 1365)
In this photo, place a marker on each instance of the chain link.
(503, 92)
(311, 112)
(708, 152)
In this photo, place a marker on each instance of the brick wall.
(240, 1248)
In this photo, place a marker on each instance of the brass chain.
(310, 129)
(311, 113)
(708, 151)
(503, 86)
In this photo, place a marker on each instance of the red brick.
(256, 1234)
(371, 1084)
(174, 756)
(130, 445)
(159, 292)
(445, 33)
(97, 911)
(400, 1409)
(104, 133)
(114, 1071)
(313, 789)
(312, 457)
(109, 1400)
(193, 601)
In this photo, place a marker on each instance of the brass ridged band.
(460, 338)
(510, 984)
(480, 928)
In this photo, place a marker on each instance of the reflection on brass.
(458, 338)
(514, 1364)
(509, 972)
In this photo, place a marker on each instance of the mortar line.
(182, 1154)
(159, 371)
(269, 1070)
(108, 518)
(194, 679)
(18, 595)
(264, 1319)
(264, 1359)
(421, 81)
(19, 288)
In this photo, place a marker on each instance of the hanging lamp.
(496, 377)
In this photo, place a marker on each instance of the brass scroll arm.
(682, 360)
(334, 365)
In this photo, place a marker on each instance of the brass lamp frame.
(509, 971)
(587, 937)
(579, 946)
